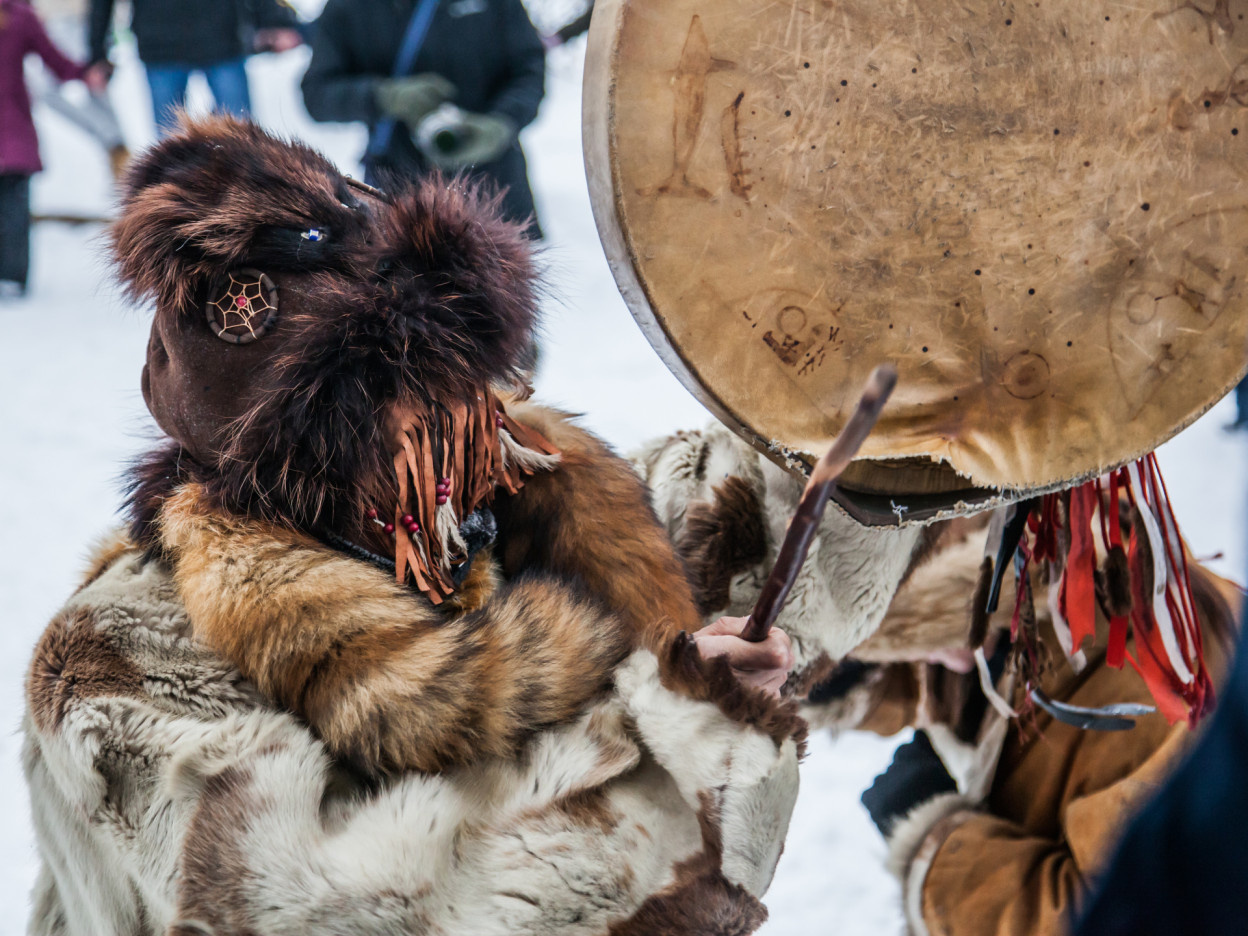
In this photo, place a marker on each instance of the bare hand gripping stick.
(805, 522)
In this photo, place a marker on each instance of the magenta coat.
(21, 33)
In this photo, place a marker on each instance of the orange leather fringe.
(466, 444)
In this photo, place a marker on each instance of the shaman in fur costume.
(466, 601)
(1039, 805)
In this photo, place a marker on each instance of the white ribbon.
(1161, 578)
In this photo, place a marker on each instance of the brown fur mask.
(411, 302)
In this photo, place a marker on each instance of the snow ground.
(72, 416)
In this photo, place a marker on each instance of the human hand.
(466, 139)
(413, 98)
(281, 39)
(97, 75)
(764, 665)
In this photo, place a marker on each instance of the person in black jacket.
(179, 37)
(482, 56)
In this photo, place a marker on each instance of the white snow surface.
(71, 416)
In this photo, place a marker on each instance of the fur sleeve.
(591, 522)
(732, 752)
(385, 680)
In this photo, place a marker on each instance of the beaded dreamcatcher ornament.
(1139, 581)
(245, 307)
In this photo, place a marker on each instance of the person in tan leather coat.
(1038, 806)
(995, 826)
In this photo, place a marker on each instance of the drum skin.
(1037, 211)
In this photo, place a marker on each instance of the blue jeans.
(227, 80)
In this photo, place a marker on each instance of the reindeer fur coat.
(167, 793)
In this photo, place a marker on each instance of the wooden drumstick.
(805, 522)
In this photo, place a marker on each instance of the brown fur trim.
(979, 605)
(682, 669)
(209, 901)
(73, 660)
(1117, 582)
(700, 901)
(474, 687)
(801, 682)
(720, 540)
(591, 522)
(150, 480)
(388, 682)
(480, 585)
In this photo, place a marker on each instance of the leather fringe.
(459, 454)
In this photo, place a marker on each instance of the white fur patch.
(752, 783)
(849, 579)
(912, 847)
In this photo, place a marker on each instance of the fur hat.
(309, 329)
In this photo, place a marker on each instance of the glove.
(915, 776)
(466, 140)
(413, 98)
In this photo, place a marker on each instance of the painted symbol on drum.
(734, 154)
(798, 331)
(689, 85)
(1219, 16)
(1025, 375)
(1175, 322)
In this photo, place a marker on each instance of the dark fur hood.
(418, 297)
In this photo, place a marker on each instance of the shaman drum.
(1038, 211)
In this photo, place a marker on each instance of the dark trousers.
(14, 227)
(1241, 401)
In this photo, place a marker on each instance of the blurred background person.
(1240, 424)
(482, 56)
(177, 38)
(65, 21)
(21, 34)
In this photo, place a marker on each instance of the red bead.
(441, 499)
(413, 528)
(389, 528)
(407, 520)
(372, 513)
